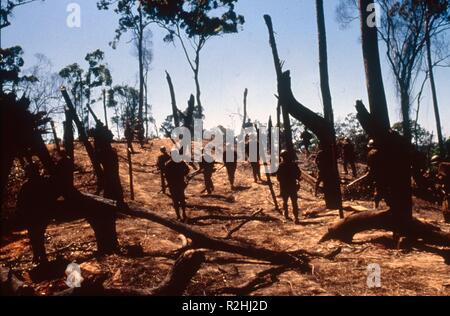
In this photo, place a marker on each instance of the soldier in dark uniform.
(289, 176)
(230, 166)
(176, 173)
(64, 175)
(207, 167)
(377, 172)
(35, 203)
(109, 160)
(161, 165)
(254, 164)
(323, 169)
(129, 136)
(306, 140)
(348, 155)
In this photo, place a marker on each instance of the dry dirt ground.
(416, 270)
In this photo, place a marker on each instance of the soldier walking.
(176, 173)
(377, 172)
(348, 155)
(161, 165)
(306, 140)
(207, 167)
(230, 163)
(289, 177)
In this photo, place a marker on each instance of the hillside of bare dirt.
(411, 270)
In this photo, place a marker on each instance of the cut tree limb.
(84, 138)
(202, 240)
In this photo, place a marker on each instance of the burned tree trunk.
(325, 84)
(287, 131)
(322, 129)
(68, 135)
(371, 55)
(312, 121)
(244, 121)
(105, 113)
(395, 156)
(84, 138)
(433, 91)
(130, 172)
(176, 119)
(55, 136)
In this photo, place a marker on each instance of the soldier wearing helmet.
(163, 158)
(289, 177)
(348, 155)
(230, 162)
(375, 163)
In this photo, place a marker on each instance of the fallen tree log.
(202, 240)
(398, 218)
(351, 225)
(308, 178)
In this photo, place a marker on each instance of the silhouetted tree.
(437, 22)
(73, 77)
(6, 9)
(125, 102)
(132, 19)
(192, 23)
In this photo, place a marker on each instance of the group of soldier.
(40, 192)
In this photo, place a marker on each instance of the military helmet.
(371, 144)
(435, 159)
(284, 153)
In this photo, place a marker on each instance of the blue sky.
(229, 64)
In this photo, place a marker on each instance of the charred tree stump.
(395, 152)
(287, 131)
(55, 136)
(130, 172)
(102, 221)
(174, 284)
(179, 277)
(84, 139)
(318, 125)
(322, 129)
(68, 135)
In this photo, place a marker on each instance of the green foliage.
(205, 18)
(125, 102)
(7, 8)
(351, 128)
(11, 63)
(83, 83)
(421, 137)
(130, 17)
(297, 128)
(167, 126)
